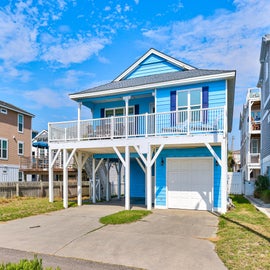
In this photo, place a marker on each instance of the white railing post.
(146, 125)
(188, 121)
(65, 137)
(112, 127)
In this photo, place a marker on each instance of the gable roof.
(14, 108)
(154, 81)
(166, 57)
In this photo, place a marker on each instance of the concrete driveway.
(167, 239)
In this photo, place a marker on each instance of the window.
(20, 122)
(20, 148)
(118, 111)
(3, 149)
(254, 146)
(189, 100)
(20, 176)
(3, 111)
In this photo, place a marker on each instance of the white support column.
(119, 180)
(107, 181)
(51, 194)
(79, 180)
(149, 178)
(224, 172)
(65, 179)
(126, 99)
(79, 120)
(93, 181)
(127, 178)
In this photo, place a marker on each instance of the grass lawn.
(243, 238)
(126, 216)
(20, 207)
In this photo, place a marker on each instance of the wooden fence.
(40, 189)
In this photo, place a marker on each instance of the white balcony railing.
(210, 120)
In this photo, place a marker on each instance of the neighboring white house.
(264, 84)
(250, 127)
(166, 121)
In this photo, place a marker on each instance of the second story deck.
(185, 122)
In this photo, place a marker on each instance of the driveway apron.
(166, 239)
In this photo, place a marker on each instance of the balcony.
(254, 93)
(255, 126)
(254, 158)
(185, 122)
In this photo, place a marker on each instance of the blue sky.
(49, 49)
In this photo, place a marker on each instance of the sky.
(52, 48)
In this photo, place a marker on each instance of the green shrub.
(265, 196)
(262, 183)
(24, 264)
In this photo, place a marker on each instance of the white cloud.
(136, 2)
(47, 98)
(118, 8)
(72, 79)
(74, 50)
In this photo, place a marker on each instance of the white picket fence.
(234, 183)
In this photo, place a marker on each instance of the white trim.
(22, 143)
(3, 110)
(2, 158)
(20, 131)
(154, 85)
(147, 54)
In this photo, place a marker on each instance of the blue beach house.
(167, 122)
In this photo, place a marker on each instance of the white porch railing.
(185, 122)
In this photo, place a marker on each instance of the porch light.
(162, 162)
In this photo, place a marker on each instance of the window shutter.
(136, 109)
(102, 113)
(205, 102)
(173, 108)
(205, 96)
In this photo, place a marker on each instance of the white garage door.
(190, 183)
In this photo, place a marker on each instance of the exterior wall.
(137, 180)
(265, 138)
(161, 184)
(153, 65)
(217, 95)
(9, 131)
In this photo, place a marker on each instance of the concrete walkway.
(260, 205)
(166, 239)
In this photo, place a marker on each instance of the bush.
(24, 264)
(265, 196)
(262, 183)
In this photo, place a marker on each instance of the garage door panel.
(190, 183)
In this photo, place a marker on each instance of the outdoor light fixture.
(162, 162)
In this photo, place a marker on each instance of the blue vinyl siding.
(216, 94)
(193, 152)
(153, 65)
(137, 180)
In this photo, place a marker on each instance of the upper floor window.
(20, 148)
(119, 111)
(20, 122)
(3, 111)
(3, 149)
(189, 100)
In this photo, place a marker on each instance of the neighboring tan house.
(237, 160)
(166, 121)
(264, 84)
(15, 140)
(250, 126)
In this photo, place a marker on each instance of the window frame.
(189, 106)
(3, 111)
(2, 148)
(119, 108)
(22, 144)
(20, 123)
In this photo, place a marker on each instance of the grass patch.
(243, 238)
(126, 216)
(19, 207)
